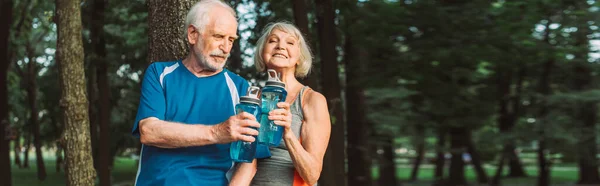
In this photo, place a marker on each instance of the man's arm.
(164, 134)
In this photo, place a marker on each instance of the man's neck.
(193, 66)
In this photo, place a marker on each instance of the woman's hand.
(282, 117)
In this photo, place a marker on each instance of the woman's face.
(281, 50)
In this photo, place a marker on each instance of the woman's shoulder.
(314, 100)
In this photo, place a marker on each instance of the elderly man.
(186, 117)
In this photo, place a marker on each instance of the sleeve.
(152, 99)
(243, 88)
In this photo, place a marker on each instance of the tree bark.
(457, 148)
(166, 19)
(76, 135)
(359, 170)
(420, 144)
(387, 165)
(334, 172)
(33, 118)
(98, 59)
(5, 24)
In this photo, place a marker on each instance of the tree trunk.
(235, 60)
(301, 21)
(587, 111)
(359, 170)
(166, 19)
(17, 150)
(59, 157)
(33, 118)
(420, 144)
(76, 135)
(508, 116)
(333, 173)
(457, 165)
(93, 111)
(5, 24)
(496, 180)
(440, 160)
(387, 165)
(544, 89)
(98, 59)
(26, 152)
(476, 160)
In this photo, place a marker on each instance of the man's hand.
(236, 128)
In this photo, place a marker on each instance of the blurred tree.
(334, 162)
(6, 7)
(70, 56)
(103, 105)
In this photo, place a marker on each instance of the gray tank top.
(278, 170)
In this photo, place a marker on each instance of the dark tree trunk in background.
(33, 118)
(17, 150)
(440, 160)
(476, 160)
(26, 152)
(74, 104)
(457, 148)
(508, 114)
(359, 170)
(333, 173)
(98, 59)
(301, 21)
(59, 157)
(5, 24)
(93, 111)
(235, 60)
(420, 144)
(544, 89)
(166, 19)
(587, 111)
(387, 165)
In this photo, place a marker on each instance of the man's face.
(212, 48)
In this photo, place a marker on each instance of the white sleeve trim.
(166, 71)
(235, 98)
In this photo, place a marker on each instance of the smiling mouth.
(280, 56)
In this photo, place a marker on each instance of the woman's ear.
(192, 34)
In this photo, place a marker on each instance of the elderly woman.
(298, 160)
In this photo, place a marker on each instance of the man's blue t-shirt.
(170, 92)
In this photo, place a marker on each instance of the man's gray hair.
(198, 16)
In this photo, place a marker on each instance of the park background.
(421, 92)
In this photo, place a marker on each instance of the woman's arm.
(308, 155)
(243, 174)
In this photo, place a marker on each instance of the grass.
(124, 172)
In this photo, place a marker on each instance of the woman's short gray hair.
(304, 65)
(199, 14)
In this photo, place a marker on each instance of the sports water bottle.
(242, 151)
(273, 93)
